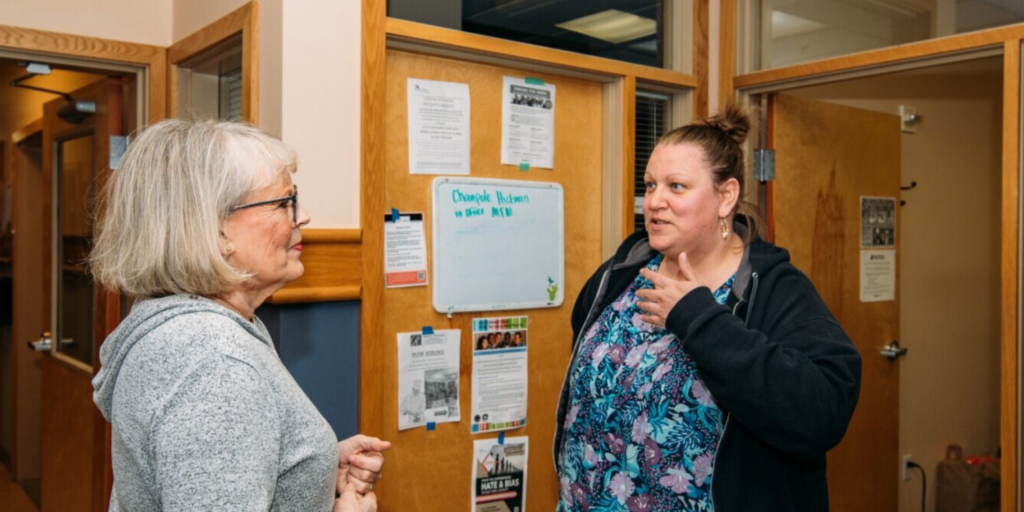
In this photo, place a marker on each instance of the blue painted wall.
(319, 344)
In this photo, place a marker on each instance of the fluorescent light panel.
(785, 25)
(613, 26)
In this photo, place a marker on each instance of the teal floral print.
(641, 431)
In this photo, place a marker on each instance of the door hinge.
(764, 165)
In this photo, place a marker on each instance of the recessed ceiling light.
(613, 26)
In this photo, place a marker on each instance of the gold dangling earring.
(725, 227)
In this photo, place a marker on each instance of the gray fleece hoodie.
(206, 417)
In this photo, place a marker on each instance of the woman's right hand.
(352, 501)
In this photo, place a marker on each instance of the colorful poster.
(405, 250)
(528, 123)
(499, 475)
(500, 373)
(428, 378)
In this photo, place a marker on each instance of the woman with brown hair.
(707, 373)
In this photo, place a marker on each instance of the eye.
(677, 187)
(648, 186)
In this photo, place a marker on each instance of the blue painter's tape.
(431, 425)
(395, 215)
(501, 438)
(428, 329)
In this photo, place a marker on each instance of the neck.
(713, 266)
(243, 302)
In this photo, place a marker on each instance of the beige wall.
(146, 21)
(309, 58)
(949, 267)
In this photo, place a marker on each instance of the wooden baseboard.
(334, 264)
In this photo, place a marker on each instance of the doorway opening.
(55, 149)
(946, 284)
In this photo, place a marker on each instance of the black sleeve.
(795, 388)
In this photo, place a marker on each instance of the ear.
(729, 195)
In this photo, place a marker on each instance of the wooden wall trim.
(437, 36)
(701, 57)
(244, 21)
(154, 58)
(727, 51)
(628, 153)
(1009, 274)
(27, 131)
(906, 52)
(333, 261)
(372, 163)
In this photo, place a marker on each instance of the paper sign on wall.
(428, 378)
(499, 374)
(405, 250)
(499, 475)
(527, 123)
(438, 127)
(877, 275)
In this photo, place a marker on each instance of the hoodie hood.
(146, 315)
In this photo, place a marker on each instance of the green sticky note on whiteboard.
(534, 81)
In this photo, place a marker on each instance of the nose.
(302, 217)
(654, 199)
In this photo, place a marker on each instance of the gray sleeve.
(216, 441)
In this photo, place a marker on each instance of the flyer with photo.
(405, 250)
(499, 475)
(500, 373)
(428, 378)
(528, 123)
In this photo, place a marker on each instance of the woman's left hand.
(658, 303)
(360, 462)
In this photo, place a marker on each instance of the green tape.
(524, 167)
(534, 81)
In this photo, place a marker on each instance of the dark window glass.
(627, 30)
(652, 117)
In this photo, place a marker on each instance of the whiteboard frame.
(505, 306)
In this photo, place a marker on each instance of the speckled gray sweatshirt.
(206, 417)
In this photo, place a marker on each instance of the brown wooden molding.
(727, 52)
(27, 131)
(244, 21)
(333, 259)
(1010, 308)
(701, 57)
(905, 52)
(475, 43)
(628, 154)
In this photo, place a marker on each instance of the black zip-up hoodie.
(776, 361)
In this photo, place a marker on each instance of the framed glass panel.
(626, 30)
(653, 116)
(210, 84)
(788, 32)
(75, 179)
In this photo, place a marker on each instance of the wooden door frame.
(1006, 41)
(243, 21)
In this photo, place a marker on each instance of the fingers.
(659, 280)
(351, 501)
(368, 503)
(360, 486)
(360, 443)
(372, 462)
(363, 475)
(653, 320)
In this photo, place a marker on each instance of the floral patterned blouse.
(642, 429)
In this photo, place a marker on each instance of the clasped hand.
(667, 292)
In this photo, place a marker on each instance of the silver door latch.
(893, 351)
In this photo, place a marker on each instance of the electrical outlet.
(905, 467)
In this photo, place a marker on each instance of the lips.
(297, 247)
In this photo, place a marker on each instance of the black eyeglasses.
(294, 199)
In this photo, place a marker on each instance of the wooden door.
(432, 470)
(29, 318)
(76, 468)
(827, 157)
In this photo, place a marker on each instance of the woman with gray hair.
(201, 224)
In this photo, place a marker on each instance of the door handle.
(45, 341)
(43, 344)
(893, 351)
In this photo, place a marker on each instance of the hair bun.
(733, 121)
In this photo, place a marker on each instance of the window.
(788, 32)
(210, 85)
(652, 121)
(626, 30)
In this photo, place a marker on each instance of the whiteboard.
(497, 244)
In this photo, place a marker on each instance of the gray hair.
(161, 212)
